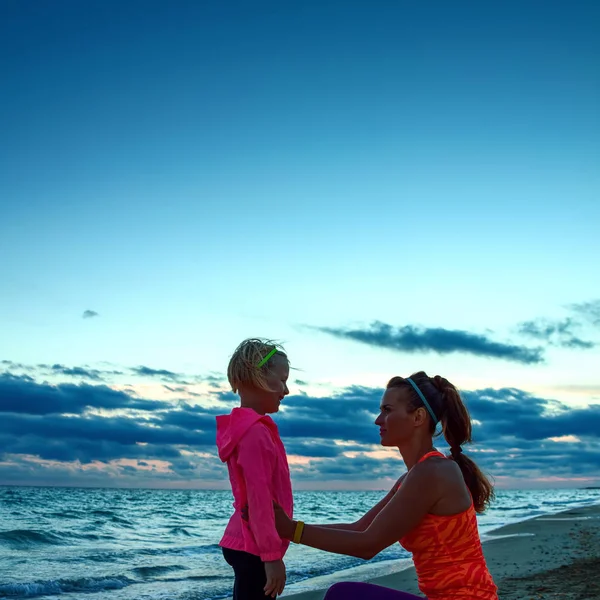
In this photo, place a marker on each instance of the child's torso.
(238, 533)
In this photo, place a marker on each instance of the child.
(248, 441)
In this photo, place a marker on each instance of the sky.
(383, 187)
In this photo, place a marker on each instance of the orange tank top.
(448, 556)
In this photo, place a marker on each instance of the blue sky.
(385, 187)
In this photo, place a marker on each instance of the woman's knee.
(349, 590)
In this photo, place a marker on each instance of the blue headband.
(427, 406)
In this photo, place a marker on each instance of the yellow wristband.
(298, 532)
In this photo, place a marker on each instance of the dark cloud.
(84, 450)
(515, 413)
(191, 418)
(320, 448)
(558, 333)
(172, 377)
(162, 374)
(83, 372)
(77, 372)
(96, 375)
(347, 468)
(21, 394)
(9, 365)
(225, 396)
(94, 432)
(89, 314)
(442, 341)
(507, 403)
(94, 423)
(590, 311)
(174, 389)
(216, 379)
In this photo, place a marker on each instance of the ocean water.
(110, 544)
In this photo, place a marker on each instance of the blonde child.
(248, 441)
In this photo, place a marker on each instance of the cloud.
(410, 338)
(514, 413)
(590, 311)
(180, 378)
(7, 365)
(22, 394)
(558, 333)
(93, 374)
(161, 374)
(89, 314)
(80, 434)
(85, 372)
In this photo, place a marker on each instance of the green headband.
(266, 358)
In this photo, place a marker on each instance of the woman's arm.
(369, 517)
(403, 512)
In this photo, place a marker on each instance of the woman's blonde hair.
(244, 364)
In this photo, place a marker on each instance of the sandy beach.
(548, 557)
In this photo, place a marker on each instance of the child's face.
(277, 382)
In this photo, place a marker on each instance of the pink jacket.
(258, 470)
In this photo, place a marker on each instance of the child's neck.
(246, 402)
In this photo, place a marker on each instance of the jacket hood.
(231, 429)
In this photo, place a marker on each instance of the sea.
(116, 544)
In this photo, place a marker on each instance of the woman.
(432, 508)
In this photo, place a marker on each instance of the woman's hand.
(285, 526)
(276, 576)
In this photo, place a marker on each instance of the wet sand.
(548, 557)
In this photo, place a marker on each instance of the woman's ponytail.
(456, 428)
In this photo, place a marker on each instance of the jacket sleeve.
(256, 458)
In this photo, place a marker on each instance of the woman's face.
(396, 424)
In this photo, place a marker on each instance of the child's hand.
(275, 570)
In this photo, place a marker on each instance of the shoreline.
(561, 547)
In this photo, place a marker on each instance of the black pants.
(250, 577)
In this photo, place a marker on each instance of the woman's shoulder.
(439, 473)
(447, 483)
(440, 467)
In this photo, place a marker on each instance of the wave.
(134, 554)
(102, 513)
(153, 571)
(121, 521)
(164, 512)
(29, 538)
(66, 514)
(559, 502)
(26, 538)
(92, 537)
(524, 507)
(180, 531)
(63, 586)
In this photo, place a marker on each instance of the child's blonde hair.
(244, 364)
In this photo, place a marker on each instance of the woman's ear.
(419, 416)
